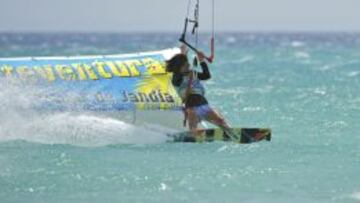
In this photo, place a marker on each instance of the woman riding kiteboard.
(189, 87)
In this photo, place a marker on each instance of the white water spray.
(20, 118)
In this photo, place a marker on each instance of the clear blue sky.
(168, 15)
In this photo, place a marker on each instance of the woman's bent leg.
(214, 117)
(193, 121)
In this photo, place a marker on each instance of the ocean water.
(303, 86)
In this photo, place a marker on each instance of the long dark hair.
(176, 62)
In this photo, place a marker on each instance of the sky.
(168, 15)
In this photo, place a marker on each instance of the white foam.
(353, 73)
(325, 68)
(297, 44)
(77, 129)
(356, 195)
(231, 40)
(320, 91)
(252, 108)
(246, 58)
(302, 55)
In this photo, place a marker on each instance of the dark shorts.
(195, 100)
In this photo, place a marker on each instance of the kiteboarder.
(188, 84)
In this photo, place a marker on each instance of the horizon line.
(175, 32)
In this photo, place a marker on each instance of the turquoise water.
(304, 86)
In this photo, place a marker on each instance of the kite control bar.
(195, 21)
(210, 58)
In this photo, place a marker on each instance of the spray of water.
(21, 118)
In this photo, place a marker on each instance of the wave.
(356, 195)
